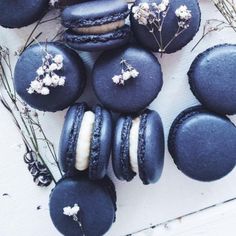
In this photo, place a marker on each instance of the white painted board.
(139, 206)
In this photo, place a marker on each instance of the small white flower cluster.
(53, 2)
(153, 15)
(141, 13)
(161, 7)
(184, 14)
(46, 76)
(146, 14)
(126, 73)
(71, 211)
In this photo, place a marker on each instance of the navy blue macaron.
(138, 147)
(19, 13)
(96, 25)
(165, 26)
(49, 76)
(203, 144)
(127, 80)
(85, 143)
(212, 78)
(81, 207)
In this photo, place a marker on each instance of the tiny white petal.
(58, 59)
(53, 67)
(45, 91)
(126, 75)
(40, 71)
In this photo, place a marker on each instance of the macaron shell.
(212, 78)
(120, 151)
(69, 137)
(97, 210)
(97, 42)
(152, 143)
(170, 27)
(100, 144)
(93, 13)
(60, 97)
(137, 93)
(19, 13)
(203, 144)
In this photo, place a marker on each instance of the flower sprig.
(227, 9)
(74, 213)
(28, 124)
(153, 15)
(127, 72)
(46, 75)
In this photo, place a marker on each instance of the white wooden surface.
(139, 207)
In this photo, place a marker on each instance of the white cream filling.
(100, 29)
(84, 141)
(133, 144)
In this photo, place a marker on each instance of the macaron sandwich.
(138, 147)
(85, 143)
(96, 25)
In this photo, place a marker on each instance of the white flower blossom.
(127, 72)
(58, 59)
(47, 80)
(40, 71)
(62, 81)
(141, 13)
(126, 75)
(117, 78)
(134, 73)
(53, 67)
(30, 90)
(53, 2)
(45, 91)
(46, 76)
(36, 85)
(71, 211)
(183, 13)
(59, 66)
(55, 79)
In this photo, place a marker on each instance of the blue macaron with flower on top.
(165, 26)
(79, 206)
(128, 79)
(25, 13)
(49, 76)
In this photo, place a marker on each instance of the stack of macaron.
(126, 78)
(96, 25)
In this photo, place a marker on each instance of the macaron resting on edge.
(138, 147)
(85, 143)
(203, 144)
(96, 25)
